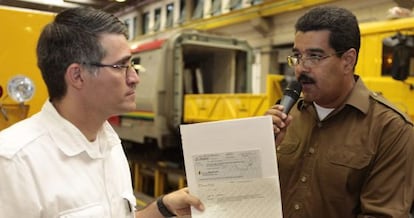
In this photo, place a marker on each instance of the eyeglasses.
(119, 67)
(310, 60)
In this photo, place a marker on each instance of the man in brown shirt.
(343, 151)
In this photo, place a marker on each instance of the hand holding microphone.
(290, 96)
(280, 111)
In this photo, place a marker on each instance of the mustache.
(304, 78)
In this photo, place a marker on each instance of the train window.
(398, 56)
(136, 61)
(386, 60)
(279, 54)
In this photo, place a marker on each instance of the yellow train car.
(376, 61)
(20, 30)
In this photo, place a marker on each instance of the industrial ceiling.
(56, 6)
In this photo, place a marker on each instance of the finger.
(288, 120)
(185, 189)
(183, 211)
(276, 129)
(278, 122)
(195, 202)
(278, 112)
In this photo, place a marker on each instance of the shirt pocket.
(347, 169)
(351, 156)
(129, 203)
(288, 147)
(287, 157)
(94, 210)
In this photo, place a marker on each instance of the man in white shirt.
(66, 160)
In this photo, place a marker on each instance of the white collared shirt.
(49, 169)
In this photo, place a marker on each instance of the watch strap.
(163, 209)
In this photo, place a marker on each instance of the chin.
(130, 109)
(126, 109)
(308, 97)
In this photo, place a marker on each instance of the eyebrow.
(124, 59)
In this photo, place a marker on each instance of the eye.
(314, 56)
(117, 66)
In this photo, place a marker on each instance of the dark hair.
(73, 37)
(342, 24)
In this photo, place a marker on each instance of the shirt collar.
(70, 139)
(357, 98)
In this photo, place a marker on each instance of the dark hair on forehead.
(342, 24)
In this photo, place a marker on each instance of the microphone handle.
(288, 103)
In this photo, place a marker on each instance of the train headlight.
(20, 88)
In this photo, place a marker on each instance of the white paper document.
(231, 166)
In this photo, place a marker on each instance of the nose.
(300, 69)
(132, 76)
(303, 65)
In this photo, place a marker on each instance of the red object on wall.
(115, 121)
(156, 44)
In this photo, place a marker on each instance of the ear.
(74, 76)
(349, 58)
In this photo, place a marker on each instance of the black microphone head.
(293, 90)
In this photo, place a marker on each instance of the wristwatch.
(163, 209)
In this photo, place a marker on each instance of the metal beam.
(266, 9)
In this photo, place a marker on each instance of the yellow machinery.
(20, 30)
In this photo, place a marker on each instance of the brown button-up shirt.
(357, 162)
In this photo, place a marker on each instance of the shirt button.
(303, 179)
(277, 148)
(296, 206)
(311, 150)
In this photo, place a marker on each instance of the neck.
(80, 116)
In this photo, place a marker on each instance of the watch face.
(20, 88)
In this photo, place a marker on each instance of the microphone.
(290, 95)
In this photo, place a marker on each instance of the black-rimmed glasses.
(119, 67)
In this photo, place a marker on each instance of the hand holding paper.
(231, 166)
